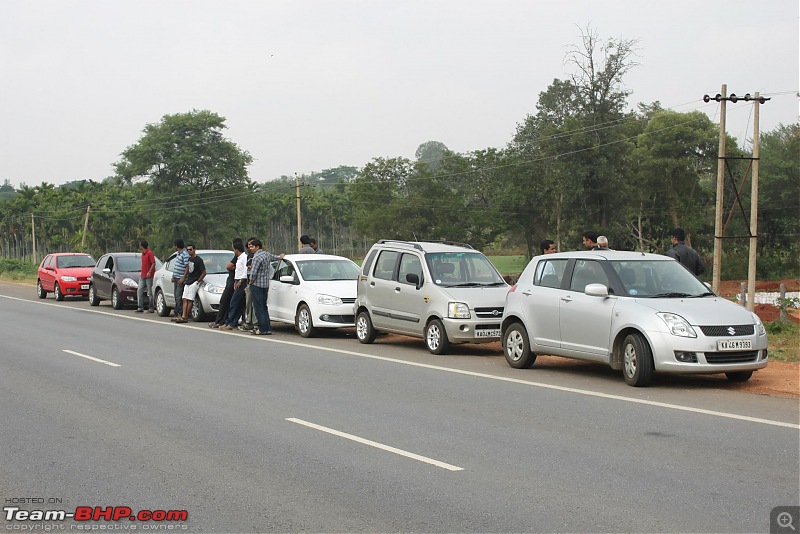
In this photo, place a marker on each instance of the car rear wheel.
(739, 376)
(93, 300)
(40, 292)
(303, 321)
(637, 364)
(365, 332)
(116, 302)
(197, 311)
(436, 337)
(58, 293)
(161, 304)
(516, 347)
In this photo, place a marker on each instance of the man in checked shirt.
(259, 285)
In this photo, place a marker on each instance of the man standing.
(249, 315)
(684, 254)
(227, 294)
(306, 248)
(602, 243)
(590, 240)
(259, 286)
(191, 279)
(315, 247)
(146, 280)
(547, 246)
(239, 286)
(181, 261)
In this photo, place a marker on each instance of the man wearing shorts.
(191, 279)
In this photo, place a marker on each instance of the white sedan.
(313, 291)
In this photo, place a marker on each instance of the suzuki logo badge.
(731, 331)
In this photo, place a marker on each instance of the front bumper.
(330, 316)
(667, 349)
(473, 330)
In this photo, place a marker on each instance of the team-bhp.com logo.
(94, 513)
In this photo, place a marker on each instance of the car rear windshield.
(462, 269)
(65, 262)
(663, 279)
(327, 270)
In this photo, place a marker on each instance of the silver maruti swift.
(639, 313)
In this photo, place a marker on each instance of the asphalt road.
(282, 434)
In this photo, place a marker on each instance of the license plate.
(487, 333)
(84, 286)
(734, 344)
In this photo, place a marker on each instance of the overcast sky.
(310, 85)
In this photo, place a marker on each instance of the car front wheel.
(116, 302)
(58, 293)
(436, 337)
(516, 347)
(303, 321)
(40, 292)
(93, 300)
(197, 311)
(637, 365)
(365, 332)
(161, 304)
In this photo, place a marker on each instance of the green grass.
(509, 264)
(784, 341)
(18, 271)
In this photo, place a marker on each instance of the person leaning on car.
(146, 279)
(684, 254)
(194, 274)
(181, 260)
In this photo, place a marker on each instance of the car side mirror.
(49, 268)
(413, 278)
(287, 279)
(107, 270)
(596, 290)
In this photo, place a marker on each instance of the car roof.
(623, 255)
(425, 246)
(70, 254)
(314, 257)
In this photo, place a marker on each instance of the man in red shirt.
(146, 281)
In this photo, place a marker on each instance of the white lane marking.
(98, 360)
(271, 339)
(377, 445)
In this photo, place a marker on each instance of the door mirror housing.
(596, 290)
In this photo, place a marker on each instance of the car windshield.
(65, 262)
(462, 269)
(216, 262)
(327, 270)
(132, 264)
(658, 279)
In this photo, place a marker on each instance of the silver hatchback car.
(637, 312)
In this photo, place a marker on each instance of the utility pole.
(297, 198)
(715, 278)
(751, 267)
(85, 228)
(33, 238)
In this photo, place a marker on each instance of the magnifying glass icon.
(785, 520)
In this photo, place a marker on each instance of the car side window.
(384, 268)
(368, 262)
(48, 262)
(284, 269)
(409, 264)
(587, 272)
(549, 273)
(109, 263)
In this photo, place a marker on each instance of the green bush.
(17, 269)
(779, 327)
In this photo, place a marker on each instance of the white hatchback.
(313, 291)
(639, 313)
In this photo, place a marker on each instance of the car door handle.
(372, 284)
(567, 298)
(397, 290)
(527, 292)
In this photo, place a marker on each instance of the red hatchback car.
(64, 274)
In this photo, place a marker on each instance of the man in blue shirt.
(181, 261)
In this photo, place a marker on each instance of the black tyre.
(57, 291)
(93, 300)
(40, 292)
(637, 361)
(739, 376)
(436, 337)
(517, 348)
(303, 322)
(161, 304)
(116, 302)
(365, 332)
(197, 313)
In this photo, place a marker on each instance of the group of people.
(680, 251)
(245, 295)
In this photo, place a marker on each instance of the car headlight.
(329, 300)
(130, 282)
(68, 278)
(214, 290)
(678, 326)
(458, 310)
(760, 330)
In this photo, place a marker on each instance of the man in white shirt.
(239, 285)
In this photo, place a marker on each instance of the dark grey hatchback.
(116, 277)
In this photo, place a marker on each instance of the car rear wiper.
(670, 295)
